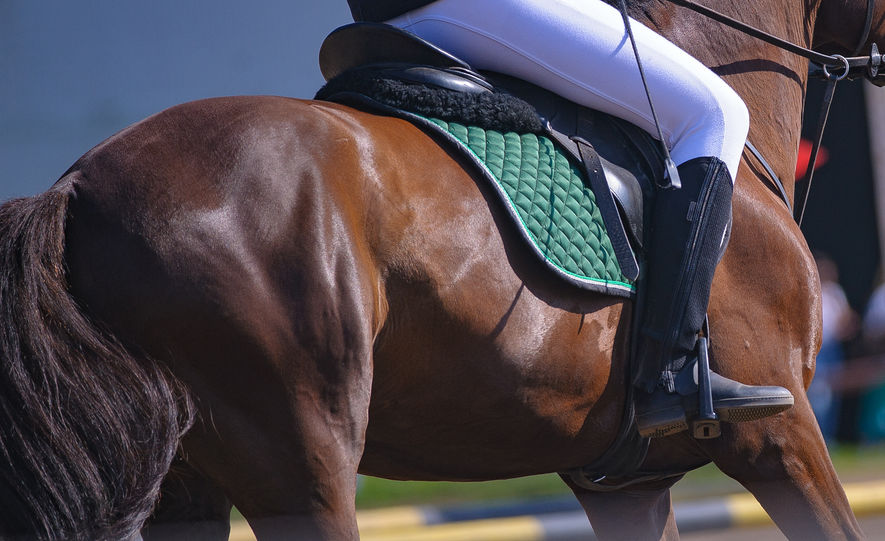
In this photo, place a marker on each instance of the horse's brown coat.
(338, 293)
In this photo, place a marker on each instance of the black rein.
(842, 67)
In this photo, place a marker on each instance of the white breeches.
(579, 49)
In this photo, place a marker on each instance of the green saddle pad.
(552, 205)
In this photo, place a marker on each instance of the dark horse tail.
(87, 427)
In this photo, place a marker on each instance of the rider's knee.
(714, 122)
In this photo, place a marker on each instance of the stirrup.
(703, 399)
(706, 425)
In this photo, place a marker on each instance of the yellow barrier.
(865, 499)
(501, 529)
(392, 518)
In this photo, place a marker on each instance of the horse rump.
(88, 427)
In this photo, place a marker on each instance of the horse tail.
(88, 427)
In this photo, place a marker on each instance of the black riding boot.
(690, 228)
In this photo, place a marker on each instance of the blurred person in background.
(873, 327)
(840, 323)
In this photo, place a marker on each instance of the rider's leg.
(579, 49)
(689, 232)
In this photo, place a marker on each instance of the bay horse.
(248, 300)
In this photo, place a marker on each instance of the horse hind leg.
(280, 374)
(287, 448)
(191, 508)
(282, 413)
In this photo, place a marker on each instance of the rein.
(853, 67)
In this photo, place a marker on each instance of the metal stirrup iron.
(706, 425)
(672, 172)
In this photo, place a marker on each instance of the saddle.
(380, 67)
(383, 69)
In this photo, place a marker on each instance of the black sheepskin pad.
(488, 110)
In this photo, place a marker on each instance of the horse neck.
(771, 81)
(841, 24)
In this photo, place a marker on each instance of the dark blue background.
(74, 72)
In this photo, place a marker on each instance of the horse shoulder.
(768, 261)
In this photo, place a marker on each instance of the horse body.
(499, 379)
(338, 294)
(354, 294)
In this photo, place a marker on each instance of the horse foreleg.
(784, 462)
(640, 512)
(191, 508)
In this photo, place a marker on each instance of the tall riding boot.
(690, 228)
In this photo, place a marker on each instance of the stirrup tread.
(666, 430)
(742, 415)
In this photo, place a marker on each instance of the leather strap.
(869, 64)
(782, 191)
(803, 189)
(584, 152)
(867, 28)
(814, 56)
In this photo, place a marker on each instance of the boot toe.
(660, 414)
(738, 403)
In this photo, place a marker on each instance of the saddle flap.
(360, 44)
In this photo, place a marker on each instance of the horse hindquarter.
(216, 236)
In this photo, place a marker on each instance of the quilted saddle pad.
(552, 205)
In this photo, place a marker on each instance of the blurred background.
(74, 73)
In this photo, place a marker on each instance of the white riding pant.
(579, 49)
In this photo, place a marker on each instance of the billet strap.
(584, 153)
(617, 231)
